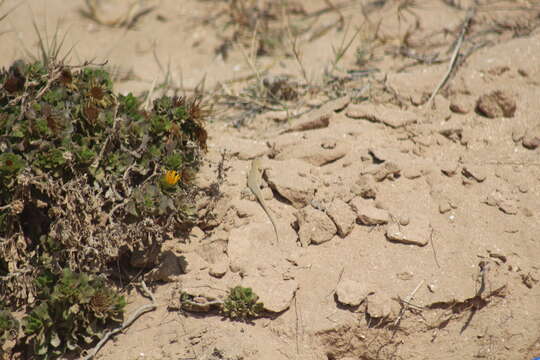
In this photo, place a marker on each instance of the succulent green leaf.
(10, 164)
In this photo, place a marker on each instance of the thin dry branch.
(466, 22)
(293, 42)
(405, 305)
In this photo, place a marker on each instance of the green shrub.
(242, 303)
(88, 175)
(9, 327)
(75, 310)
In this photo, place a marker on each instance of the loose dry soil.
(409, 229)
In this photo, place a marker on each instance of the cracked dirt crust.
(379, 204)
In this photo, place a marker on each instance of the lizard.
(254, 184)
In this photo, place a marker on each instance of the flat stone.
(416, 233)
(351, 292)
(367, 213)
(275, 293)
(412, 170)
(342, 215)
(292, 180)
(379, 305)
(219, 269)
(315, 153)
(394, 118)
(314, 226)
(244, 149)
(246, 246)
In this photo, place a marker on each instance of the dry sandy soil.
(408, 226)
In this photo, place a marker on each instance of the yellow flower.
(171, 177)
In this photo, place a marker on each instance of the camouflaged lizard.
(254, 183)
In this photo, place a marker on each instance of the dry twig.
(405, 305)
(433, 248)
(466, 22)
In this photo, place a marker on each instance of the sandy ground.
(408, 226)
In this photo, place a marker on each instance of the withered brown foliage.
(82, 174)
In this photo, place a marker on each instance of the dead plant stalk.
(468, 18)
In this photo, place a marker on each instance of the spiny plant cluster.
(74, 310)
(242, 303)
(88, 177)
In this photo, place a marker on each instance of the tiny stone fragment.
(444, 206)
(531, 139)
(461, 105)
(404, 220)
(405, 275)
(474, 172)
(449, 168)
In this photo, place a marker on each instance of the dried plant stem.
(405, 305)
(468, 17)
(293, 43)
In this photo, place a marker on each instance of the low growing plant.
(76, 311)
(9, 327)
(242, 303)
(88, 175)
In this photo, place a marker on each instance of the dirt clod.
(499, 103)
(351, 292)
(531, 139)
